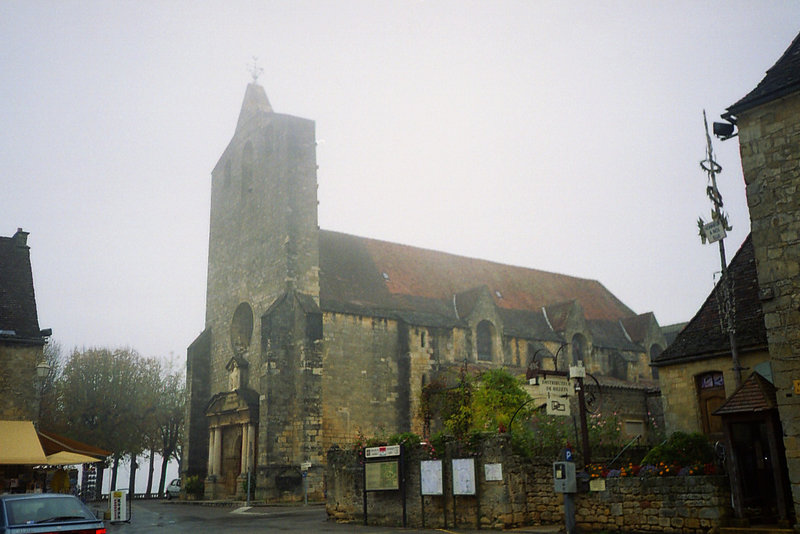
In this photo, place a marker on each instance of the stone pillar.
(211, 434)
(216, 466)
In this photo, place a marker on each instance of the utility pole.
(715, 231)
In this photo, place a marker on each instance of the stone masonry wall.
(361, 389)
(679, 391)
(769, 141)
(17, 381)
(525, 496)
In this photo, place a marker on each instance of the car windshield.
(45, 509)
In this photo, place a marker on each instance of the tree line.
(118, 400)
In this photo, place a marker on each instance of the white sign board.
(431, 477)
(380, 452)
(493, 472)
(464, 476)
(558, 407)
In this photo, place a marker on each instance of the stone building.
(696, 371)
(768, 122)
(312, 336)
(21, 340)
(700, 392)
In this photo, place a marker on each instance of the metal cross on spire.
(255, 70)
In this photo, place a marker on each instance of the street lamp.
(42, 372)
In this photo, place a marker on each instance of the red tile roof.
(357, 272)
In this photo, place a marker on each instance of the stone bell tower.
(260, 349)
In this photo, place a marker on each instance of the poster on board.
(431, 477)
(381, 476)
(464, 476)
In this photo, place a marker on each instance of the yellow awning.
(19, 444)
(69, 458)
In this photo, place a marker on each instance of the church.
(313, 337)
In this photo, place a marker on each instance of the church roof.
(703, 337)
(362, 275)
(781, 80)
(18, 318)
(637, 326)
(610, 334)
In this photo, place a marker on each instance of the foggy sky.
(562, 136)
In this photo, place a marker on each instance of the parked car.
(174, 488)
(37, 513)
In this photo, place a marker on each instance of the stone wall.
(525, 496)
(769, 141)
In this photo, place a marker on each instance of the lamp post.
(715, 231)
(42, 371)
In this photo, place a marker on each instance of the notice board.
(382, 476)
(431, 477)
(464, 476)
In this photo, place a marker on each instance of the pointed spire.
(255, 102)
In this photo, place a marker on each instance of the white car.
(174, 488)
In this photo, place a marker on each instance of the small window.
(422, 340)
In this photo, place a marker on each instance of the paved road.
(178, 518)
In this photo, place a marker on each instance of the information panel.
(431, 475)
(382, 476)
(464, 476)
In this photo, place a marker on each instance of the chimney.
(21, 238)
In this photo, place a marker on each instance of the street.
(180, 517)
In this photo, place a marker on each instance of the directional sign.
(714, 231)
(557, 387)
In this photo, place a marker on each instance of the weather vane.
(255, 70)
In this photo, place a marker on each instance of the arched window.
(578, 349)
(485, 333)
(247, 169)
(655, 351)
(241, 328)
